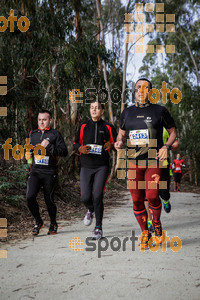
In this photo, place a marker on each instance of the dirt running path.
(46, 268)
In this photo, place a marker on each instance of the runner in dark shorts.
(142, 125)
(178, 165)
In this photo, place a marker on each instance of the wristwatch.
(168, 147)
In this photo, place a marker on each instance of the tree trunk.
(192, 57)
(125, 67)
(124, 77)
(54, 100)
(78, 28)
(73, 112)
(109, 97)
(16, 121)
(113, 47)
(52, 70)
(113, 170)
(104, 65)
(189, 166)
(98, 40)
(195, 171)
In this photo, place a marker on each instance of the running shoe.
(88, 218)
(167, 206)
(150, 226)
(179, 191)
(97, 234)
(159, 237)
(36, 228)
(144, 240)
(53, 228)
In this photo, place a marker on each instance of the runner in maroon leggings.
(142, 124)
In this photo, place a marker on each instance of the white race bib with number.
(178, 169)
(139, 137)
(95, 149)
(44, 161)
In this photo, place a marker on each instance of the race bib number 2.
(139, 137)
(95, 149)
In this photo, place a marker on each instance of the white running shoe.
(88, 218)
(97, 234)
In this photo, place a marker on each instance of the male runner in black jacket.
(43, 171)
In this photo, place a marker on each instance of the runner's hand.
(108, 146)
(28, 155)
(84, 149)
(156, 178)
(162, 154)
(45, 143)
(118, 145)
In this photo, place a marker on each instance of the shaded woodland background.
(66, 48)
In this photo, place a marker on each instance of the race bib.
(95, 149)
(44, 161)
(139, 137)
(178, 169)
